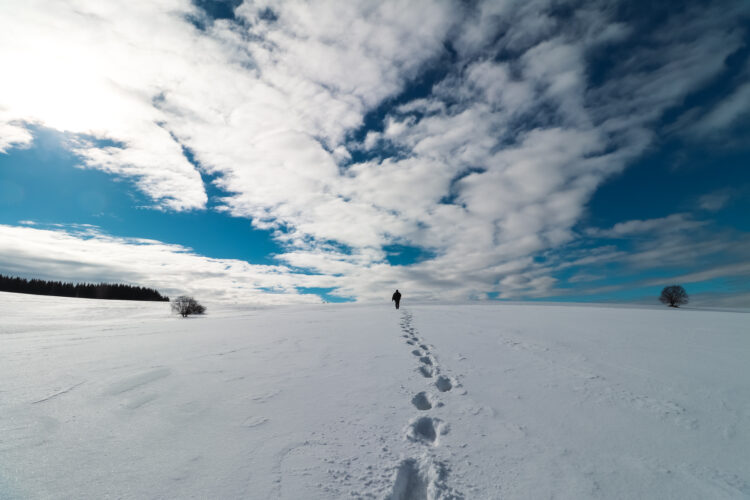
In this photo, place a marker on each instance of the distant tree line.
(81, 290)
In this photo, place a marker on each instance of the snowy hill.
(121, 400)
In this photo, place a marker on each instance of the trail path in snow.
(423, 476)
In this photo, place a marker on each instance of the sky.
(300, 152)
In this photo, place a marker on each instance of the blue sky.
(279, 152)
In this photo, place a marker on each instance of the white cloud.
(86, 254)
(715, 201)
(666, 247)
(727, 111)
(496, 162)
(713, 123)
(12, 135)
(665, 225)
(733, 270)
(94, 68)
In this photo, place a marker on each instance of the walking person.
(396, 298)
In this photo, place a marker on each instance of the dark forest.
(80, 290)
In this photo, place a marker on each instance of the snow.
(107, 399)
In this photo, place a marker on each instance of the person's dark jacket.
(396, 296)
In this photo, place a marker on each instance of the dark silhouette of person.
(396, 298)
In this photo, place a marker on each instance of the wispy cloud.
(674, 223)
(715, 201)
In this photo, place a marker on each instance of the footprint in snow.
(416, 352)
(426, 430)
(443, 383)
(410, 483)
(422, 401)
(426, 371)
(422, 479)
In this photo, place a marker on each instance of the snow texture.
(123, 400)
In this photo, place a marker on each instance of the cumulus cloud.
(489, 164)
(94, 68)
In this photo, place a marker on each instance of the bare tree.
(185, 306)
(674, 296)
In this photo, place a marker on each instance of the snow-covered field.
(121, 400)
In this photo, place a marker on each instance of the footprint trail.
(424, 477)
